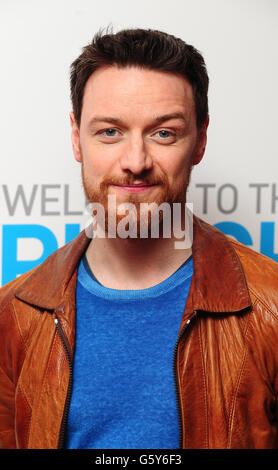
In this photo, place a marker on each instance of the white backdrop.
(41, 198)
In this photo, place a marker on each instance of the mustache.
(131, 179)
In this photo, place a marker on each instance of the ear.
(201, 143)
(75, 138)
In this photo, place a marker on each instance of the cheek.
(97, 163)
(176, 166)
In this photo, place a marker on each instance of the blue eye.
(110, 132)
(164, 133)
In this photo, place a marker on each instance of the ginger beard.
(163, 193)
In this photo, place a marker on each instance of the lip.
(135, 188)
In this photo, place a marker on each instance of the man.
(129, 341)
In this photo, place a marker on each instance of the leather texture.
(227, 355)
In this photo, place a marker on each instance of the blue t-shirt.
(123, 393)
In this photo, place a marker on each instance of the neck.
(134, 263)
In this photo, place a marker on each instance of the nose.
(134, 157)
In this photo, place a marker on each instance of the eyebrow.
(157, 119)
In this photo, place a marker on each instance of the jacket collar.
(218, 283)
(46, 286)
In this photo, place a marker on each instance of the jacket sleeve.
(7, 414)
(9, 368)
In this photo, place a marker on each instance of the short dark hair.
(145, 48)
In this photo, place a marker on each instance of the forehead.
(138, 91)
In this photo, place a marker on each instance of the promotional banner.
(235, 187)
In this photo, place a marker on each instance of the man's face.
(138, 137)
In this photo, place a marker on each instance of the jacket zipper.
(67, 403)
(68, 397)
(185, 327)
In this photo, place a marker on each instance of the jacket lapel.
(218, 284)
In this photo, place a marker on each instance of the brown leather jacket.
(226, 356)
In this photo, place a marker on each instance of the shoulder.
(7, 292)
(45, 285)
(261, 274)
